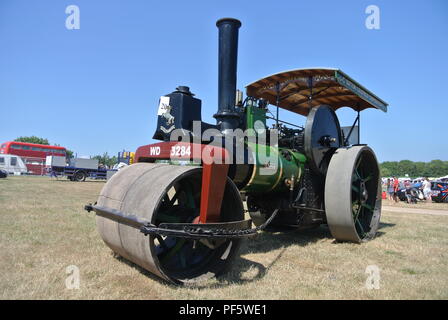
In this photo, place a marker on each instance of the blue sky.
(96, 89)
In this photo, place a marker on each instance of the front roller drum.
(353, 194)
(162, 193)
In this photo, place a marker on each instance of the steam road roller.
(178, 210)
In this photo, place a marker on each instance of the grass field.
(44, 229)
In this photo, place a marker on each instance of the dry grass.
(43, 229)
(418, 205)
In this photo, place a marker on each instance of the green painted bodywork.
(272, 168)
(254, 114)
(272, 165)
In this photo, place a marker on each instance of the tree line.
(434, 168)
(106, 159)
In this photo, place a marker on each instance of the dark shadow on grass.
(242, 265)
(383, 225)
(264, 242)
(269, 241)
(386, 225)
(379, 234)
(234, 275)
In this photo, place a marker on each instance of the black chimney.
(226, 116)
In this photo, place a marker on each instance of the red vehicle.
(32, 154)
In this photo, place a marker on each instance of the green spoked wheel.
(353, 194)
(162, 193)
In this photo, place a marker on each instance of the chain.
(231, 233)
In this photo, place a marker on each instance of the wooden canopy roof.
(302, 89)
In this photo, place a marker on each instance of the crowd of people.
(393, 185)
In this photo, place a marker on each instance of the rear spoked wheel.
(353, 194)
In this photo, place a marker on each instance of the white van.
(12, 164)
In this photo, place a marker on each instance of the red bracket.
(214, 170)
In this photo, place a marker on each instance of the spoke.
(356, 211)
(360, 226)
(367, 206)
(357, 174)
(162, 242)
(358, 163)
(361, 212)
(165, 204)
(180, 243)
(356, 189)
(173, 199)
(358, 170)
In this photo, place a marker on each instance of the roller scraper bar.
(224, 230)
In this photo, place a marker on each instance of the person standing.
(427, 190)
(390, 188)
(407, 185)
(396, 185)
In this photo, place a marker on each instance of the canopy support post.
(310, 97)
(277, 87)
(359, 125)
(351, 129)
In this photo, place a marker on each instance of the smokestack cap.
(224, 20)
(184, 90)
